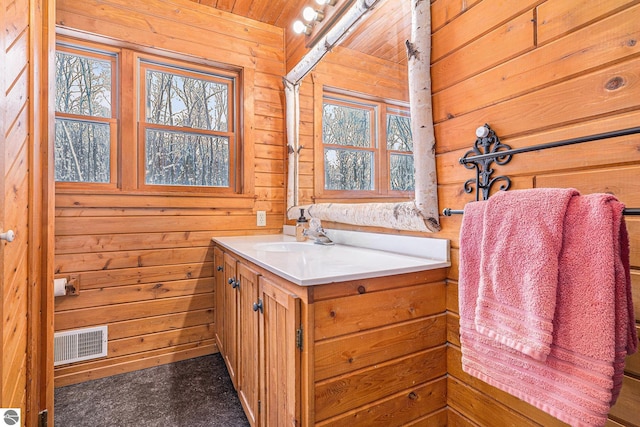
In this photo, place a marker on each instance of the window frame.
(104, 53)
(403, 112)
(382, 185)
(372, 110)
(125, 153)
(148, 62)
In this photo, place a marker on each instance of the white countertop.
(313, 264)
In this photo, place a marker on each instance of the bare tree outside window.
(82, 148)
(187, 141)
(175, 158)
(401, 172)
(353, 155)
(353, 168)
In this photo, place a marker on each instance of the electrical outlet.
(261, 219)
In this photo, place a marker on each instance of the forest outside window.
(85, 118)
(400, 150)
(367, 148)
(187, 128)
(132, 121)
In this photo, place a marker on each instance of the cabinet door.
(280, 356)
(230, 314)
(248, 380)
(220, 284)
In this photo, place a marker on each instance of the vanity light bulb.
(309, 14)
(299, 27)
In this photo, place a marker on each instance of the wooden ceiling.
(382, 34)
(280, 13)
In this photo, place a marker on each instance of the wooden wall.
(536, 71)
(144, 261)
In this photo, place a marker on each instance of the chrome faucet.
(317, 233)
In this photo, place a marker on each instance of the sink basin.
(287, 247)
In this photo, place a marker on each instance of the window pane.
(348, 170)
(401, 172)
(346, 126)
(176, 158)
(399, 133)
(83, 85)
(82, 151)
(176, 100)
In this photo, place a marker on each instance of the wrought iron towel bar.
(488, 149)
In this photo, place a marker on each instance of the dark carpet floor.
(195, 392)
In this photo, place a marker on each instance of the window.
(187, 127)
(355, 160)
(85, 124)
(400, 151)
(349, 146)
(127, 120)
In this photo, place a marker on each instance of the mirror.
(371, 60)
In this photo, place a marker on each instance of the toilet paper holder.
(72, 285)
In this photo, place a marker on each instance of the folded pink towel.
(519, 268)
(626, 336)
(593, 324)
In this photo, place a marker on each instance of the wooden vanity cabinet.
(248, 342)
(354, 353)
(219, 283)
(280, 355)
(256, 330)
(227, 295)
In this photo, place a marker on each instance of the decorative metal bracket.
(488, 149)
(487, 142)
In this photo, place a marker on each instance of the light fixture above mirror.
(310, 14)
(319, 16)
(300, 27)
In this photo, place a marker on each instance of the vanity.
(348, 334)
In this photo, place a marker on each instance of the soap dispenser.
(301, 226)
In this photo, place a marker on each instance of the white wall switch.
(261, 219)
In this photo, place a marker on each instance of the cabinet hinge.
(299, 338)
(259, 405)
(43, 418)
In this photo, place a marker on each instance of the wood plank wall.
(144, 261)
(14, 206)
(536, 71)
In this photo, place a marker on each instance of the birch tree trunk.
(424, 141)
(292, 100)
(397, 216)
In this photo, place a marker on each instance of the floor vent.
(80, 344)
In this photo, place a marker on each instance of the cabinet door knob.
(220, 268)
(230, 281)
(235, 284)
(258, 306)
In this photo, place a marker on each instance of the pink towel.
(519, 268)
(626, 335)
(593, 324)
